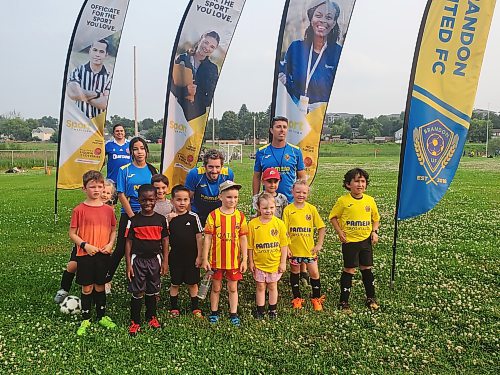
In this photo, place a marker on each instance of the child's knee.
(232, 286)
(71, 266)
(87, 289)
(272, 287)
(138, 295)
(261, 287)
(99, 288)
(216, 286)
(313, 270)
(362, 268)
(352, 271)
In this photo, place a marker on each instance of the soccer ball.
(71, 305)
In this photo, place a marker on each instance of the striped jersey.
(226, 231)
(91, 81)
(146, 234)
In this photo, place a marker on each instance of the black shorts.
(92, 269)
(182, 272)
(146, 275)
(73, 257)
(357, 254)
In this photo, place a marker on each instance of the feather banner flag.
(86, 89)
(200, 48)
(310, 42)
(445, 75)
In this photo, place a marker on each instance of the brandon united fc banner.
(86, 88)
(445, 75)
(310, 42)
(199, 51)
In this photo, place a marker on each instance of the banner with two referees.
(441, 96)
(310, 42)
(86, 88)
(199, 52)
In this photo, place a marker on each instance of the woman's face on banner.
(323, 20)
(207, 46)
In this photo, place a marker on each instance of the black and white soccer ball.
(71, 305)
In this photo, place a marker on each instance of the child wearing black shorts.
(186, 244)
(93, 231)
(147, 238)
(355, 218)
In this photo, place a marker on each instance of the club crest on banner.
(435, 144)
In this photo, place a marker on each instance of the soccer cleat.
(213, 318)
(174, 313)
(154, 323)
(106, 322)
(60, 296)
(372, 304)
(297, 303)
(107, 288)
(235, 320)
(134, 328)
(318, 303)
(273, 314)
(345, 308)
(258, 315)
(198, 313)
(82, 330)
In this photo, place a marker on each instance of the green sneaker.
(106, 322)
(82, 331)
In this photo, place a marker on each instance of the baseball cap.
(271, 173)
(229, 184)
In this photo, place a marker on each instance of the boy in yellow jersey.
(356, 219)
(267, 251)
(301, 218)
(225, 249)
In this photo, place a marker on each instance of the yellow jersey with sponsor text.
(356, 216)
(300, 223)
(265, 241)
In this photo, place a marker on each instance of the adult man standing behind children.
(203, 183)
(92, 229)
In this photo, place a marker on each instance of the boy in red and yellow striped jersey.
(225, 249)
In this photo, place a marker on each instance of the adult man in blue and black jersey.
(203, 184)
(283, 156)
(117, 152)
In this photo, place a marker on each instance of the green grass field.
(441, 317)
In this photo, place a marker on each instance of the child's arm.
(251, 264)
(374, 235)
(89, 248)
(244, 253)
(321, 239)
(199, 245)
(206, 248)
(128, 258)
(284, 254)
(108, 248)
(125, 204)
(339, 231)
(164, 262)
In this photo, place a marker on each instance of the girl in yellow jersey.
(267, 252)
(301, 218)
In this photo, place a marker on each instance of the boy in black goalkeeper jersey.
(147, 238)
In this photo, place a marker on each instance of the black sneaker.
(345, 308)
(258, 315)
(273, 314)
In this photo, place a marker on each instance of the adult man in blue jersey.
(117, 151)
(283, 156)
(203, 183)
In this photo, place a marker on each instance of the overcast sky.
(372, 77)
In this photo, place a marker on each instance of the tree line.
(240, 125)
